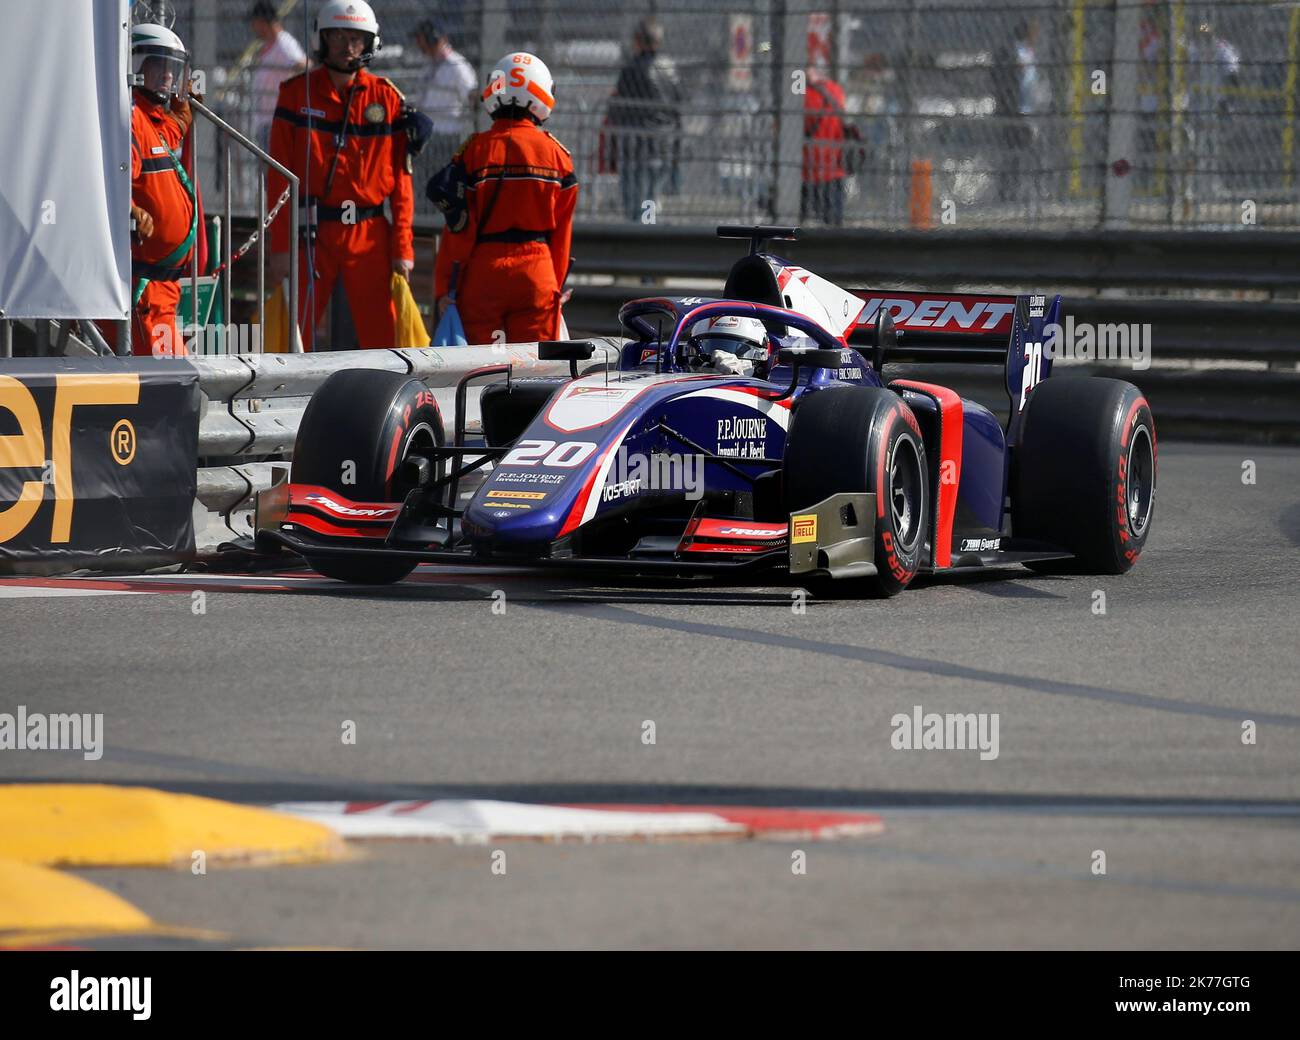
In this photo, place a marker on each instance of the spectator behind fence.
(451, 90)
(824, 131)
(645, 117)
(281, 56)
(1213, 72)
(1023, 94)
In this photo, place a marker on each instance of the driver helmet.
(730, 334)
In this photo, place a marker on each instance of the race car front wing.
(832, 539)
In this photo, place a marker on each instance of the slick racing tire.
(863, 439)
(1084, 473)
(357, 430)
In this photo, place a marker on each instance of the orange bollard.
(921, 197)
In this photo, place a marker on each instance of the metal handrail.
(295, 342)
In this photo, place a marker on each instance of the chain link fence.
(1033, 115)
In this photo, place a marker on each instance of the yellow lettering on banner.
(21, 450)
(71, 391)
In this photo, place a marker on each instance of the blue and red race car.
(753, 433)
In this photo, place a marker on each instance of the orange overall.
(509, 271)
(354, 239)
(157, 189)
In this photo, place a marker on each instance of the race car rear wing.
(959, 328)
(906, 327)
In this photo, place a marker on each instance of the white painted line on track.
(8, 591)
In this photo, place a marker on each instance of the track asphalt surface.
(1119, 733)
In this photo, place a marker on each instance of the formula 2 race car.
(696, 456)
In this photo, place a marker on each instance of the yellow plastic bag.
(411, 331)
(275, 322)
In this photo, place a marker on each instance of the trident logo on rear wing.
(966, 328)
(941, 313)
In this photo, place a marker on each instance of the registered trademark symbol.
(122, 442)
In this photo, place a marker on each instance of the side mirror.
(805, 357)
(570, 350)
(885, 338)
(565, 350)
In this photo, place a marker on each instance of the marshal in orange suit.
(163, 200)
(342, 131)
(505, 253)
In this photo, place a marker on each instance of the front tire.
(1084, 475)
(863, 439)
(357, 430)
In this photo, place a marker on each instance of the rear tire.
(1084, 474)
(361, 424)
(863, 439)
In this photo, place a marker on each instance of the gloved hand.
(181, 113)
(419, 128)
(143, 222)
(729, 364)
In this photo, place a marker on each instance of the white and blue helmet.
(730, 333)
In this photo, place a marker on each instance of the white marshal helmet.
(730, 333)
(348, 14)
(160, 64)
(521, 80)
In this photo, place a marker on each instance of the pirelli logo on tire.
(97, 458)
(803, 528)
